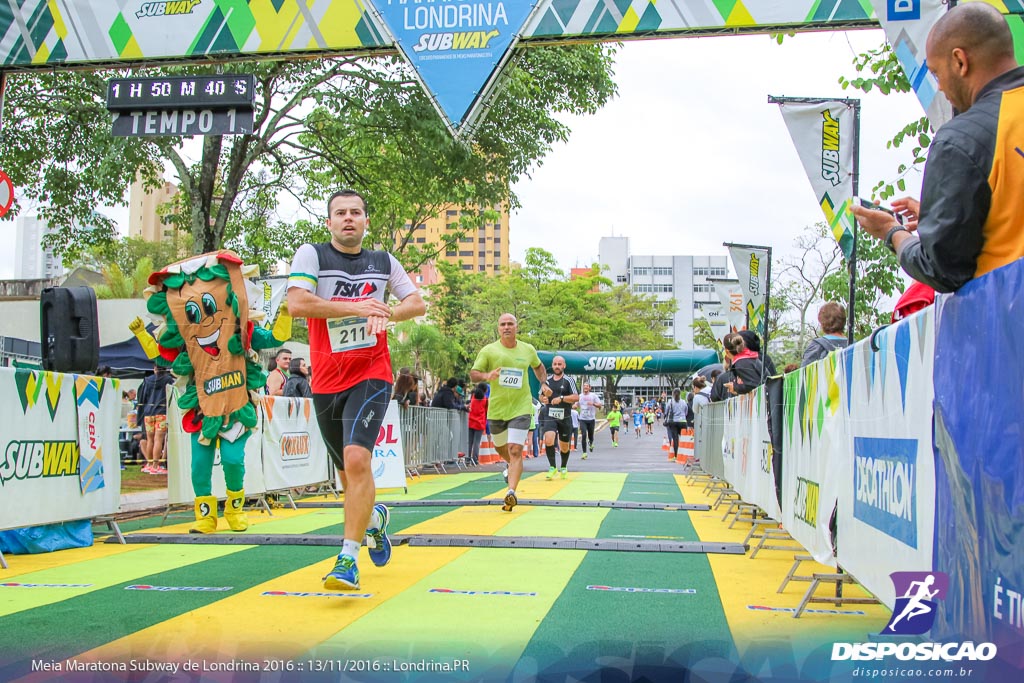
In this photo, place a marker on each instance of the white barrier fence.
(857, 440)
(284, 451)
(45, 476)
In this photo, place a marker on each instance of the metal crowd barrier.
(433, 436)
(708, 433)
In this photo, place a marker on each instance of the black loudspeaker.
(69, 333)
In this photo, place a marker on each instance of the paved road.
(632, 455)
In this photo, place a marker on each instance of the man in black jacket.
(972, 206)
(446, 396)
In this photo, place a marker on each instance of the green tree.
(320, 124)
(125, 285)
(703, 335)
(880, 69)
(878, 277)
(422, 347)
(797, 291)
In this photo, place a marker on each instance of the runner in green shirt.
(504, 365)
(614, 420)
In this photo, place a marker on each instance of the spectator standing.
(675, 419)
(153, 407)
(446, 396)
(406, 390)
(477, 421)
(971, 216)
(746, 367)
(832, 321)
(297, 384)
(278, 372)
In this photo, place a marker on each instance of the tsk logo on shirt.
(354, 289)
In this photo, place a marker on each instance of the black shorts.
(564, 428)
(352, 417)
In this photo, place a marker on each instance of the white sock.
(512, 491)
(350, 548)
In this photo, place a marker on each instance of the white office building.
(686, 279)
(32, 262)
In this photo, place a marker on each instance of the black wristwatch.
(892, 233)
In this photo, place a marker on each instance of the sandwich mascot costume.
(209, 341)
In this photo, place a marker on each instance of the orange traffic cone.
(488, 454)
(664, 443)
(685, 446)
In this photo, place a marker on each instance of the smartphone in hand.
(877, 207)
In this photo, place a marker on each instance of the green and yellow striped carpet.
(441, 613)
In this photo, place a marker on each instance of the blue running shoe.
(381, 553)
(344, 576)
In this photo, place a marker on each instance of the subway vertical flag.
(823, 134)
(751, 264)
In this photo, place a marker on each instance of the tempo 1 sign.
(220, 104)
(183, 122)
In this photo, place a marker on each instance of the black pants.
(673, 435)
(587, 433)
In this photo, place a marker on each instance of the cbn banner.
(979, 470)
(824, 136)
(887, 470)
(752, 264)
(748, 451)
(730, 294)
(45, 474)
(294, 453)
(179, 459)
(814, 442)
(906, 24)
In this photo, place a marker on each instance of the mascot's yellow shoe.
(206, 516)
(234, 511)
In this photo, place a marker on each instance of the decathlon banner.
(294, 453)
(730, 294)
(824, 136)
(748, 458)
(979, 470)
(388, 460)
(887, 491)
(179, 459)
(752, 264)
(43, 476)
(457, 49)
(266, 296)
(906, 24)
(815, 444)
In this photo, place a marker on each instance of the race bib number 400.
(511, 378)
(347, 334)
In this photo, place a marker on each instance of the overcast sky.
(690, 154)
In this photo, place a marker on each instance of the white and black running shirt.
(566, 386)
(341, 354)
